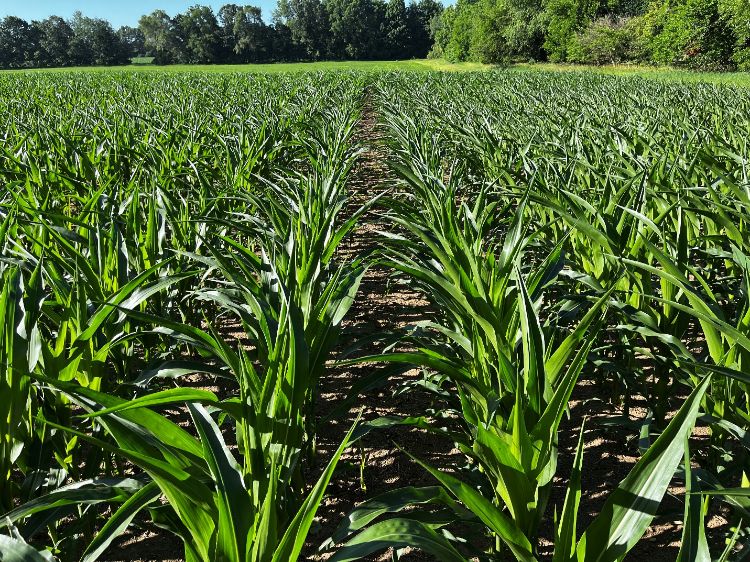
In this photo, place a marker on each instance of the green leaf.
(294, 538)
(532, 339)
(565, 533)
(547, 426)
(162, 398)
(398, 533)
(390, 502)
(694, 546)
(630, 508)
(484, 509)
(232, 498)
(178, 368)
(16, 550)
(78, 493)
(120, 521)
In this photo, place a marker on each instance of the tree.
(80, 50)
(459, 30)
(309, 26)
(688, 32)
(201, 35)
(490, 31)
(55, 35)
(419, 20)
(355, 26)
(18, 43)
(95, 43)
(565, 18)
(133, 40)
(525, 29)
(246, 37)
(395, 30)
(488, 43)
(475, 30)
(226, 16)
(625, 8)
(159, 37)
(441, 30)
(606, 40)
(736, 15)
(301, 30)
(283, 47)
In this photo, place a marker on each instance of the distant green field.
(142, 64)
(142, 60)
(658, 73)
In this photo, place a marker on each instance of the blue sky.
(117, 12)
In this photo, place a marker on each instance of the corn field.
(183, 259)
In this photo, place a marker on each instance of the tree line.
(300, 30)
(709, 34)
(706, 34)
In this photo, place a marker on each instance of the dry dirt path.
(382, 304)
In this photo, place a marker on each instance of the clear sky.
(117, 12)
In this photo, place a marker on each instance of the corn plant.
(609, 537)
(223, 510)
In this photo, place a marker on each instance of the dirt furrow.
(383, 303)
